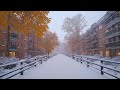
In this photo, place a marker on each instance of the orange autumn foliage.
(23, 21)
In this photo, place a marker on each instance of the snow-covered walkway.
(61, 67)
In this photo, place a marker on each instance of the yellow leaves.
(25, 20)
(48, 42)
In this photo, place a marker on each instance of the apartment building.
(12, 43)
(112, 35)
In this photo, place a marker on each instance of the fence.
(21, 66)
(88, 61)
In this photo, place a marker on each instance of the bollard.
(77, 59)
(45, 58)
(41, 61)
(35, 63)
(73, 57)
(21, 73)
(87, 64)
(81, 60)
(48, 56)
(102, 68)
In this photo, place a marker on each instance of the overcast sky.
(57, 19)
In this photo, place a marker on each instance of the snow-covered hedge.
(7, 61)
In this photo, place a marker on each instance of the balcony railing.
(113, 21)
(13, 47)
(115, 44)
(116, 30)
(13, 36)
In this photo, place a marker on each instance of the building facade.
(91, 40)
(112, 35)
(103, 37)
(3, 43)
(12, 43)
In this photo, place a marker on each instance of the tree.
(74, 24)
(50, 41)
(73, 27)
(23, 21)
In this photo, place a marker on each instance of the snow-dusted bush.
(117, 58)
(6, 60)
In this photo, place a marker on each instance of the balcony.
(13, 36)
(13, 47)
(94, 47)
(112, 33)
(112, 22)
(112, 45)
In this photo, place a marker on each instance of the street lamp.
(47, 46)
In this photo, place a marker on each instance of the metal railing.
(21, 66)
(88, 61)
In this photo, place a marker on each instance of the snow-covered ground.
(61, 67)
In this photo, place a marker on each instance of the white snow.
(61, 67)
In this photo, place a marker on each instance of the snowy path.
(61, 67)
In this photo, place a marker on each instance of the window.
(25, 38)
(114, 16)
(110, 28)
(26, 46)
(100, 27)
(119, 37)
(3, 42)
(4, 31)
(110, 40)
(114, 38)
(18, 46)
(118, 14)
(116, 25)
(19, 35)
(3, 54)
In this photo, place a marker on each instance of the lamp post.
(46, 45)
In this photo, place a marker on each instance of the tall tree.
(73, 27)
(23, 21)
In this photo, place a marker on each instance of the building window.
(107, 53)
(18, 35)
(114, 16)
(4, 31)
(116, 25)
(26, 46)
(3, 54)
(118, 14)
(119, 37)
(100, 27)
(18, 46)
(11, 54)
(114, 38)
(110, 40)
(3, 42)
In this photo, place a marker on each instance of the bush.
(10, 66)
(27, 61)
